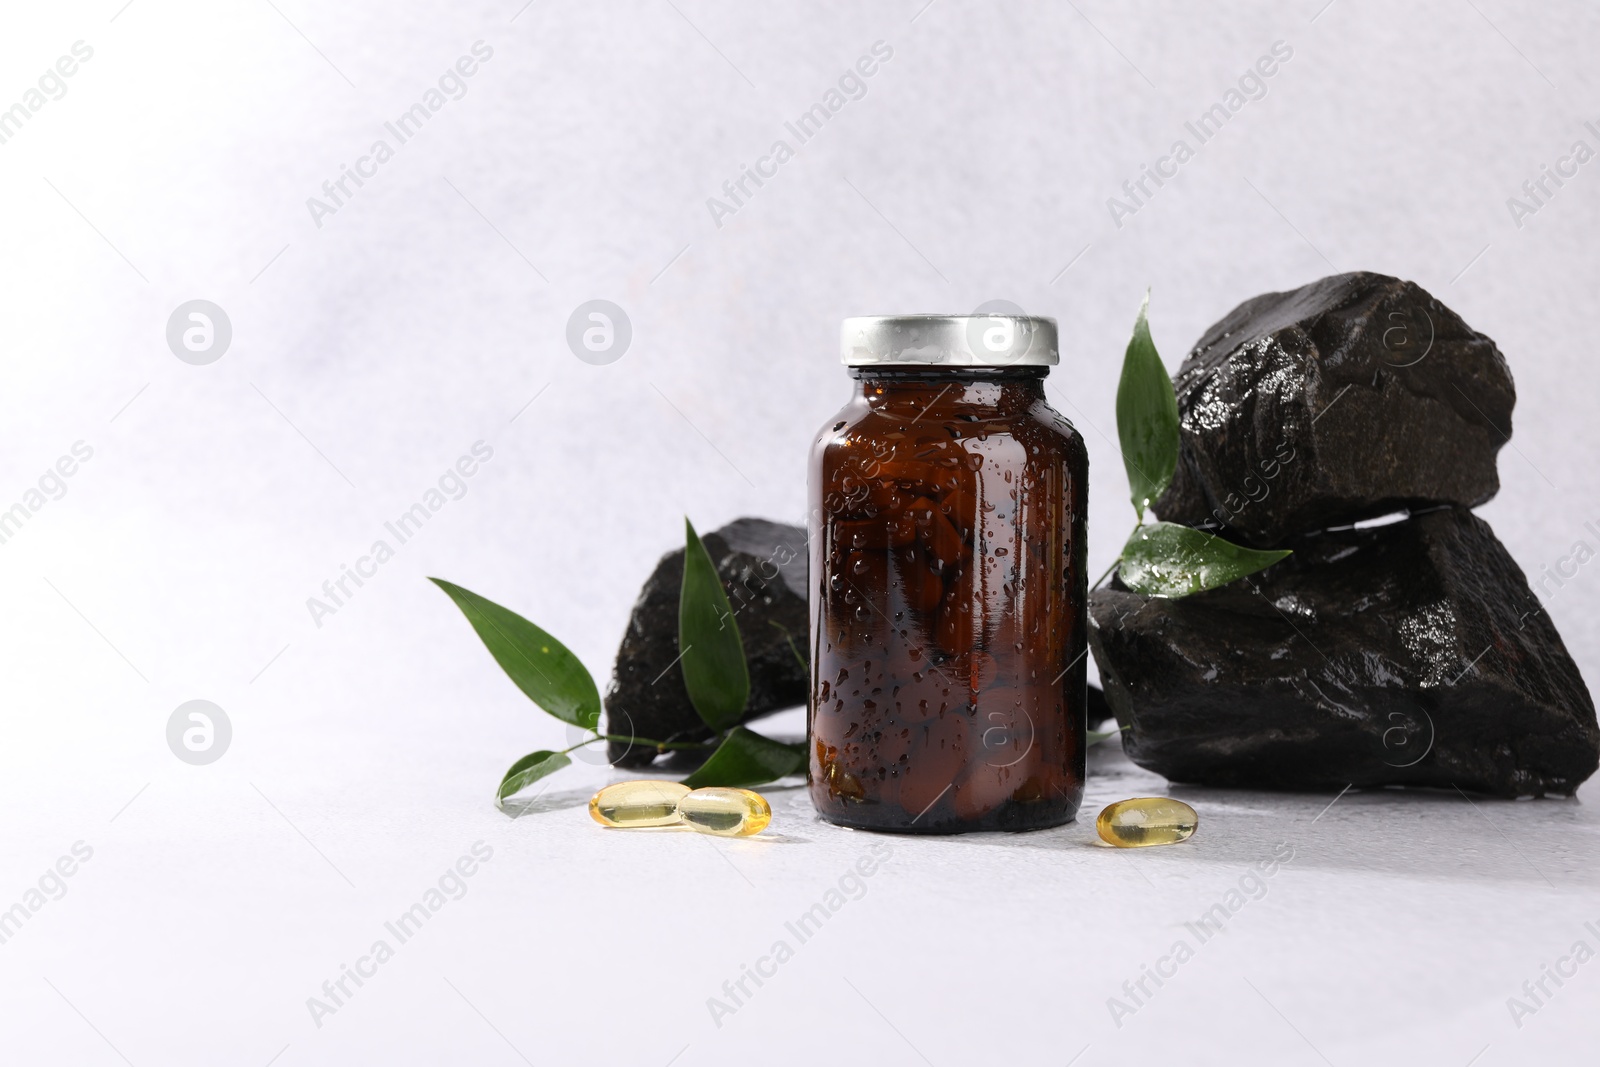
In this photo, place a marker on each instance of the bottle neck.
(993, 388)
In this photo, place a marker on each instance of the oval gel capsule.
(1146, 821)
(643, 803)
(725, 812)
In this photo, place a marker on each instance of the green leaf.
(747, 758)
(529, 769)
(1097, 736)
(714, 671)
(1147, 417)
(1167, 560)
(541, 666)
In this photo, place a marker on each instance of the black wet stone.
(1349, 398)
(1412, 653)
(763, 568)
(1098, 710)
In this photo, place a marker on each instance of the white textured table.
(1384, 928)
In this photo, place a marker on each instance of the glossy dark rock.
(1411, 653)
(763, 567)
(1348, 398)
(1099, 710)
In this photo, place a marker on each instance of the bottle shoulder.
(841, 425)
(859, 418)
(858, 437)
(1048, 416)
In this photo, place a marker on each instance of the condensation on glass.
(948, 593)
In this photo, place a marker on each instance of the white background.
(372, 351)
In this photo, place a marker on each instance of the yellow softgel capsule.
(1146, 821)
(725, 812)
(643, 803)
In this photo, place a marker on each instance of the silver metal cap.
(949, 341)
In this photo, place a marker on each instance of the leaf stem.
(663, 746)
(804, 666)
(1096, 583)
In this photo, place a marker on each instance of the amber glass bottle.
(948, 590)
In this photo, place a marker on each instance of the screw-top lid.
(949, 341)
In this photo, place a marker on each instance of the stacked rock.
(1411, 652)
